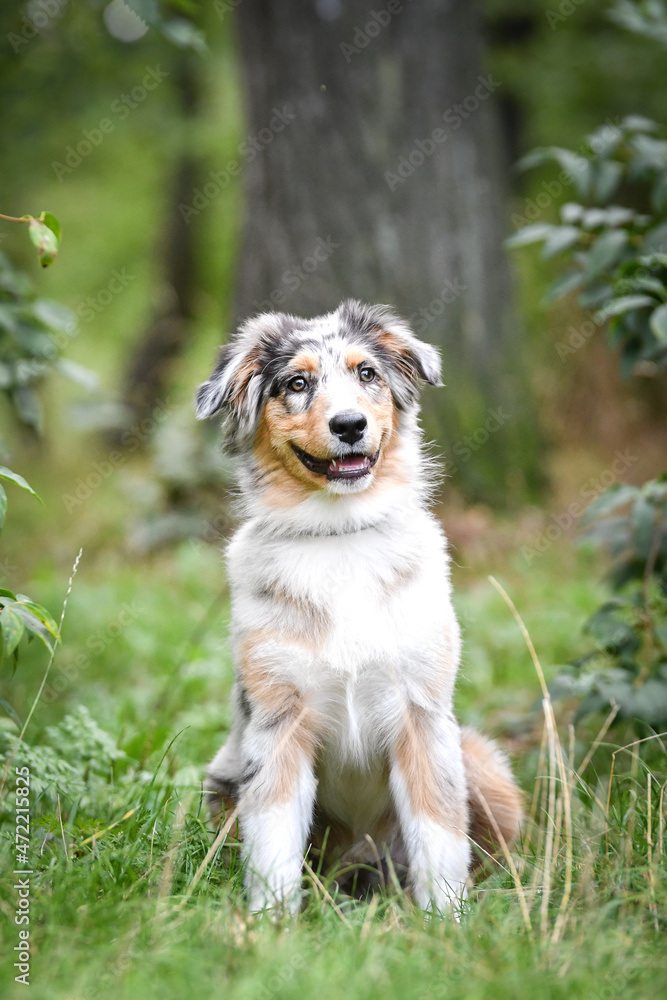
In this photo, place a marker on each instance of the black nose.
(349, 426)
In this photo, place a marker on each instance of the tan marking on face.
(428, 795)
(390, 470)
(288, 480)
(285, 480)
(306, 362)
(355, 356)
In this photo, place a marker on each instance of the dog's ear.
(408, 361)
(235, 386)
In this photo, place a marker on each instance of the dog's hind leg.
(494, 799)
(428, 786)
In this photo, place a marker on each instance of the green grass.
(116, 909)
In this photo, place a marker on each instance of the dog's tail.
(494, 800)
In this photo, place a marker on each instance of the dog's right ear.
(228, 384)
(235, 386)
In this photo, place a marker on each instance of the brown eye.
(297, 384)
(366, 374)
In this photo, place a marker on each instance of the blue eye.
(297, 384)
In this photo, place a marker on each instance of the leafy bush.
(618, 257)
(618, 253)
(33, 332)
(628, 665)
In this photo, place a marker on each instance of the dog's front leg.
(276, 808)
(428, 787)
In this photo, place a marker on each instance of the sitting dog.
(345, 642)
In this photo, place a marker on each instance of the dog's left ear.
(409, 361)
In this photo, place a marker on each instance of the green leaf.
(561, 238)
(652, 152)
(578, 167)
(606, 251)
(3, 506)
(34, 625)
(28, 407)
(535, 158)
(652, 285)
(595, 296)
(10, 712)
(607, 178)
(627, 302)
(45, 240)
(147, 10)
(617, 216)
(77, 373)
(615, 496)
(55, 316)
(564, 285)
(638, 123)
(40, 613)
(50, 220)
(184, 34)
(658, 323)
(13, 477)
(529, 234)
(659, 194)
(655, 240)
(12, 630)
(571, 212)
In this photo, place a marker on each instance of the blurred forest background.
(157, 263)
(207, 159)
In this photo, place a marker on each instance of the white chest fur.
(390, 634)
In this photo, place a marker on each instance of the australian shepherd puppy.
(345, 642)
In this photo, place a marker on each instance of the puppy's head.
(319, 399)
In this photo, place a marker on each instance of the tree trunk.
(374, 169)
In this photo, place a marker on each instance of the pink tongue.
(350, 462)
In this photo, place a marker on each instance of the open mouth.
(343, 467)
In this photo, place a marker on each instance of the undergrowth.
(128, 899)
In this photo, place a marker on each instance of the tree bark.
(374, 135)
